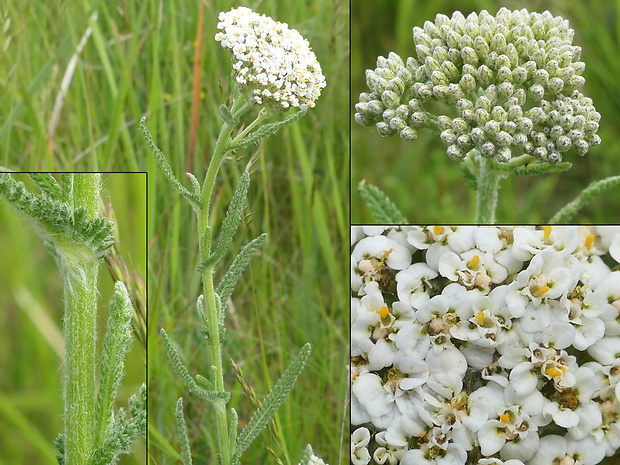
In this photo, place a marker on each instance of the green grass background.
(139, 61)
(419, 177)
(31, 321)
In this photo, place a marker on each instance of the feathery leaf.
(272, 402)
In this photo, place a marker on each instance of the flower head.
(275, 62)
(511, 79)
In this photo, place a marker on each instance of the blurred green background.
(420, 178)
(31, 343)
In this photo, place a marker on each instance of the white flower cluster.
(275, 62)
(511, 81)
(485, 345)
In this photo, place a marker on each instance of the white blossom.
(275, 62)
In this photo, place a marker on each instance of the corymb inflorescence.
(510, 81)
(275, 62)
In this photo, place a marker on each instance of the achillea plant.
(502, 92)
(274, 70)
(65, 214)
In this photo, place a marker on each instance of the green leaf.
(233, 424)
(381, 207)
(567, 212)
(227, 285)
(182, 429)
(48, 185)
(226, 115)
(231, 221)
(266, 131)
(115, 345)
(57, 222)
(305, 460)
(272, 402)
(124, 431)
(194, 199)
(181, 370)
(534, 169)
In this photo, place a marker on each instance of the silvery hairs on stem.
(78, 239)
(511, 82)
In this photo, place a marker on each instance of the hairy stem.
(211, 306)
(79, 269)
(487, 193)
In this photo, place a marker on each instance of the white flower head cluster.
(511, 81)
(485, 345)
(275, 62)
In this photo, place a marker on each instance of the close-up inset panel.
(485, 345)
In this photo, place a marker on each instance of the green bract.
(511, 83)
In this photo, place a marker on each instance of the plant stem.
(211, 304)
(79, 269)
(487, 192)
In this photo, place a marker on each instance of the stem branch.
(79, 268)
(487, 193)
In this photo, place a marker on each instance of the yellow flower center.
(480, 318)
(553, 372)
(386, 253)
(541, 291)
(547, 230)
(590, 240)
(505, 418)
(384, 311)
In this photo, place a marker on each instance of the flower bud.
(509, 126)
(487, 149)
(540, 153)
(448, 136)
(468, 83)
(395, 62)
(503, 139)
(390, 99)
(460, 126)
(469, 56)
(478, 136)
(445, 122)
(423, 51)
(441, 92)
(482, 116)
(384, 129)
(376, 108)
(537, 92)
(504, 74)
(449, 70)
(388, 115)
(519, 75)
(563, 143)
(492, 128)
(402, 112)
(363, 120)
(396, 85)
(525, 125)
(439, 79)
(484, 75)
(408, 134)
(423, 92)
(397, 124)
(415, 105)
(481, 45)
(464, 142)
(420, 119)
(499, 114)
(503, 155)
(455, 152)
